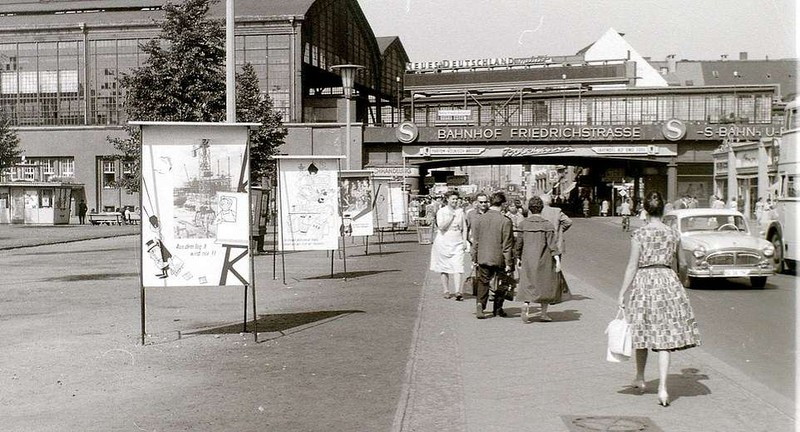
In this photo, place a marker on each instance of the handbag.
(507, 282)
(620, 345)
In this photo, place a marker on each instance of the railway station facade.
(606, 109)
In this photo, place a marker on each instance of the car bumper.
(712, 272)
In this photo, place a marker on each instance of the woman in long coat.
(539, 261)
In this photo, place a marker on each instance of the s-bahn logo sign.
(674, 130)
(406, 132)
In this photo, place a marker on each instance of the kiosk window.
(46, 198)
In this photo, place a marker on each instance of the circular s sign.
(674, 130)
(406, 132)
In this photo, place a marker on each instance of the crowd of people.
(511, 245)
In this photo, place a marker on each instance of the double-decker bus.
(781, 227)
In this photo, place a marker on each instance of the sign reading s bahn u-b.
(673, 130)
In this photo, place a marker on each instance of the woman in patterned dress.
(658, 309)
(449, 245)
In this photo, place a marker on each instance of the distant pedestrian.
(718, 203)
(539, 261)
(604, 206)
(447, 252)
(658, 308)
(126, 215)
(82, 209)
(561, 222)
(625, 212)
(586, 205)
(492, 253)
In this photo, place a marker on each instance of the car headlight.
(699, 252)
(768, 250)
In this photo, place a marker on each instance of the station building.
(607, 110)
(60, 61)
(612, 114)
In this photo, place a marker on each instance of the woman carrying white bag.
(658, 310)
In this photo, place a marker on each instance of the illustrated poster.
(390, 202)
(309, 204)
(195, 225)
(355, 192)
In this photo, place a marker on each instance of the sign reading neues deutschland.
(674, 130)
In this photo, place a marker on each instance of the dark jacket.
(493, 240)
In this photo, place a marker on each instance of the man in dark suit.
(492, 248)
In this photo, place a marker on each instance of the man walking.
(493, 243)
(82, 212)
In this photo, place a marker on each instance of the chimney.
(672, 66)
(742, 55)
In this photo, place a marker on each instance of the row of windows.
(726, 108)
(42, 169)
(44, 83)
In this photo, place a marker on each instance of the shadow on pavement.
(687, 384)
(351, 275)
(91, 277)
(280, 322)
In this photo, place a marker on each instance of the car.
(718, 243)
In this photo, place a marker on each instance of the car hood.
(723, 240)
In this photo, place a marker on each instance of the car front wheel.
(758, 281)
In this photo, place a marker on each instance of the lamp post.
(348, 73)
(399, 115)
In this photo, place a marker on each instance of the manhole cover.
(610, 424)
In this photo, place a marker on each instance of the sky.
(432, 30)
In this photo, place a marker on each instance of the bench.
(105, 218)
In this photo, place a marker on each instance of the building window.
(28, 173)
(109, 174)
(68, 167)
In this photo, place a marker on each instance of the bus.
(780, 228)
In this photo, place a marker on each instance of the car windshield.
(713, 223)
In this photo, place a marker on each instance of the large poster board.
(195, 205)
(390, 202)
(308, 216)
(355, 199)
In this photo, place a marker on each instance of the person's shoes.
(524, 313)
(500, 312)
(545, 318)
(459, 297)
(447, 295)
(663, 398)
(479, 311)
(639, 386)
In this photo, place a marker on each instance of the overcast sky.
(691, 29)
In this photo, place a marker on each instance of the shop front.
(36, 203)
(746, 171)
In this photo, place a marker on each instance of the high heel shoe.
(663, 399)
(639, 385)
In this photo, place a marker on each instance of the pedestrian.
(538, 260)
(625, 212)
(658, 308)
(481, 205)
(718, 203)
(126, 215)
(586, 205)
(492, 253)
(561, 222)
(447, 252)
(82, 208)
(516, 217)
(604, 206)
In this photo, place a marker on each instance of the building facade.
(60, 63)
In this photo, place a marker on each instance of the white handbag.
(619, 339)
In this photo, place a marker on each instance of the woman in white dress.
(450, 244)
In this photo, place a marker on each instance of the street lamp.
(399, 116)
(348, 73)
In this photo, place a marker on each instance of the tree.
(9, 144)
(183, 78)
(252, 106)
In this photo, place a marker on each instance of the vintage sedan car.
(718, 243)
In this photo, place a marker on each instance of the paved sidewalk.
(499, 374)
(19, 236)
